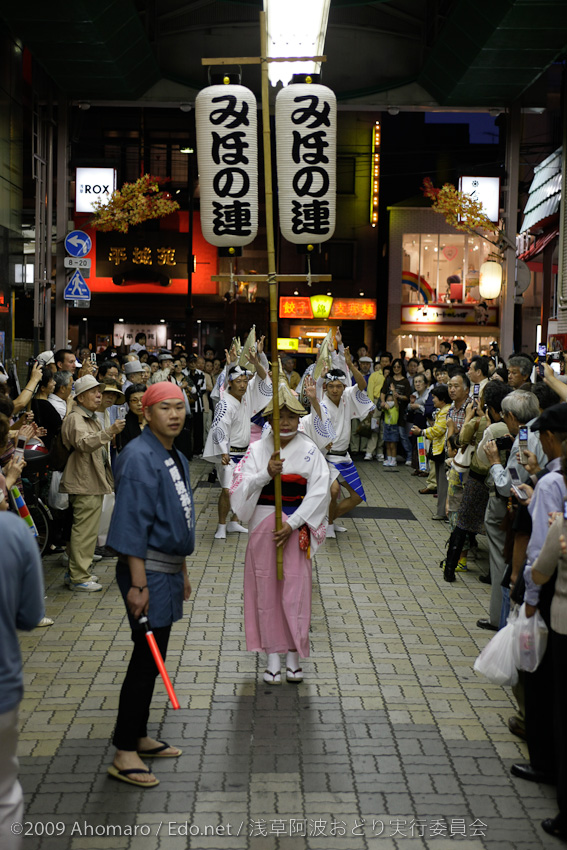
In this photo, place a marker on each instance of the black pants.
(137, 690)
(198, 433)
(540, 698)
(559, 649)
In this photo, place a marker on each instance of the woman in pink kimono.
(277, 614)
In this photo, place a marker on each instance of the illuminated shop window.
(441, 268)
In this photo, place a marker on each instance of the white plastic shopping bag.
(105, 517)
(530, 640)
(496, 661)
(56, 500)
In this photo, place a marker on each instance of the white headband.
(342, 378)
(237, 372)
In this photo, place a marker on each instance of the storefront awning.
(540, 243)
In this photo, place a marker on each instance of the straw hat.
(287, 399)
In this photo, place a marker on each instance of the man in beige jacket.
(87, 477)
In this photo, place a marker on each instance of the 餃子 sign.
(227, 149)
(306, 143)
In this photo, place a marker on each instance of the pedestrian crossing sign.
(77, 289)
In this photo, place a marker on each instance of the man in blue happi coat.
(152, 530)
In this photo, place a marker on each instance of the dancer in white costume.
(277, 613)
(344, 402)
(229, 436)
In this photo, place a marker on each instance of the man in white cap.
(46, 358)
(229, 436)
(86, 478)
(165, 366)
(133, 370)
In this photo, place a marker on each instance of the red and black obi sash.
(294, 488)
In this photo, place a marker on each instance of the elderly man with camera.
(87, 477)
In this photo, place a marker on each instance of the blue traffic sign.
(77, 289)
(78, 243)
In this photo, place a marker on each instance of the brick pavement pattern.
(392, 741)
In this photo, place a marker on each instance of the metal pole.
(189, 303)
(61, 312)
(39, 250)
(49, 225)
(513, 134)
(272, 283)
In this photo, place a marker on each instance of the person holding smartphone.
(519, 410)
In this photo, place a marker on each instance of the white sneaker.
(86, 586)
(386, 462)
(232, 527)
(367, 456)
(67, 578)
(379, 456)
(45, 621)
(408, 462)
(220, 533)
(97, 557)
(330, 531)
(339, 528)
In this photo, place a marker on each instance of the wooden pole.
(272, 282)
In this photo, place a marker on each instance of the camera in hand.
(504, 444)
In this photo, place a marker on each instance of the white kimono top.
(231, 423)
(300, 457)
(354, 404)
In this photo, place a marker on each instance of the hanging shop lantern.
(490, 280)
(321, 306)
(306, 145)
(227, 151)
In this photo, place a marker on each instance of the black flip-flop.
(124, 776)
(158, 752)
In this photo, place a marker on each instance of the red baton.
(159, 661)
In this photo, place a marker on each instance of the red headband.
(162, 391)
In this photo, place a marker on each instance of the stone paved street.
(392, 741)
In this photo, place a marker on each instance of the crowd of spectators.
(495, 434)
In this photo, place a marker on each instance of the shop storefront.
(434, 285)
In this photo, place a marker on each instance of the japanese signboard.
(297, 307)
(93, 184)
(486, 190)
(142, 256)
(444, 314)
(227, 149)
(306, 129)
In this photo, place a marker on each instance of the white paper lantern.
(306, 146)
(490, 280)
(227, 153)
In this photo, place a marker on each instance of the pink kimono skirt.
(277, 614)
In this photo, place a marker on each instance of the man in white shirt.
(229, 437)
(63, 390)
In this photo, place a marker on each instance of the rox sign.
(93, 184)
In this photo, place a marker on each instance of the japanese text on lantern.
(306, 154)
(312, 180)
(227, 151)
(232, 216)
